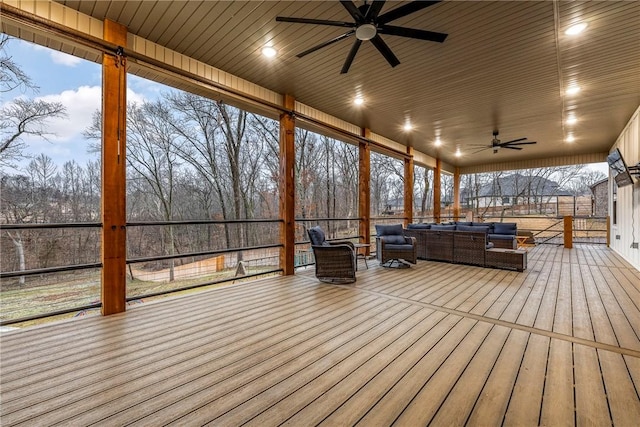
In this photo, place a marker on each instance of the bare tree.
(21, 117)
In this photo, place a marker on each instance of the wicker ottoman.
(512, 259)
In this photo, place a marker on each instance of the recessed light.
(458, 153)
(570, 138)
(358, 100)
(437, 142)
(572, 90)
(571, 120)
(269, 51)
(576, 29)
(407, 126)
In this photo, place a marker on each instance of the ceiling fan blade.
(522, 143)
(351, 56)
(374, 10)
(327, 43)
(512, 148)
(384, 50)
(512, 141)
(314, 21)
(353, 11)
(412, 33)
(405, 10)
(479, 150)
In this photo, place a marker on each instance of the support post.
(436, 191)
(568, 232)
(456, 194)
(364, 191)
(408, 187)
(608, 231)
(287, 187)
(113, 209)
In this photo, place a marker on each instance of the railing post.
(436, 191)
(364, 192)
(287, 187)
(408, 187)
(568, 232)
(456, 194)
(113, 208)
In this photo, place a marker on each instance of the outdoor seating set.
(336, 262)
(481, 244)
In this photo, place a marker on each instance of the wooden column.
(568, 232)
(436, 191)
(408, 187)
(364, 191)
(113, 210)
(287, 187)
(456, 194)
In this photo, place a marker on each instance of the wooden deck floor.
(437, 344)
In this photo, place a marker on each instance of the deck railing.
(54, 269)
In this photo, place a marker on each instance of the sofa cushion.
(418, 226)
(442, 227)
(501, 237)
(505, 228)
(476, 228)
(464, 223)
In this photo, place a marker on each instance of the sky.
(76, 83)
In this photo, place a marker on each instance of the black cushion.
(418, 226)
(441, 227)
(400, 247)
(464, 223)
(476, 228)
(389, 230)
(501, 237)
(505, 228)
(316, 235)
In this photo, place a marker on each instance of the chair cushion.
(476, 228)
(505, 228)
(393, 240)
(418, 226)
(316, 236)
(442, 227)
(389, 230)
(398, 247)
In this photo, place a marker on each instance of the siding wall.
(627, 229)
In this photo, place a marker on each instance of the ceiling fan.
(496, 144)
(368, 25)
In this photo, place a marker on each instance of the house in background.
(536, 194)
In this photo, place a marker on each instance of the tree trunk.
(22, 265)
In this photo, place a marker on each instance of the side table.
(357, 247)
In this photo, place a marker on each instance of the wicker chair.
(335, 261)
(393, 246)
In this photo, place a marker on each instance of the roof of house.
(521, 185)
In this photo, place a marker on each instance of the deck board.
(440, 344)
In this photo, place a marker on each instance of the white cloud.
(59, 57)
(80, 104)
(65, 59)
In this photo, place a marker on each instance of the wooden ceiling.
(505, 65)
